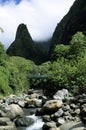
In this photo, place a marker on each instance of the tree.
(78, 45)
(60, 51)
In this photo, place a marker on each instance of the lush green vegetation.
(67, 69)
(13, 73)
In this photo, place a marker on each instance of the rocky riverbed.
(61, 112)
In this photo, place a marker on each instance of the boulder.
(49, 125)
(24, 121)
(61, 94)
(34, 95)
(65, 93)
(34, 102)
(60, 121)
(52, 106)
(8, 128)
(6, 124)
(21, 104)
(66, 107)
(13, 110)
(4, 121)
(73, 106)
(59, 113)
(2, 114)
(72, 125)
(38, 102)
(83, 113)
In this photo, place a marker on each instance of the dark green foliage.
(60, 51)
(70, 71)
(77, 45)
(81, 74)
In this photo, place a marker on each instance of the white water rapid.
(38, 123)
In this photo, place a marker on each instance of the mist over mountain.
(24, 46)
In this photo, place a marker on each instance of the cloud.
(40, 16)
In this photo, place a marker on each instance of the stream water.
(38, 123)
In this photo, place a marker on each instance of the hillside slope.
(74, 21)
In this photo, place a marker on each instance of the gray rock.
(34, 102)
(83, 113)
(46, 118)
(60, 121)
(2, 114)
(77, 111)
(68, 118)
(49, 125)
(24, 121)
(73, 106)
(65, 92)
(21, 104)
(59, 113)
(8, 128)
(6, 124)
(61, 94)
(13, 110)
(72, 125)
(4, 121)
(52, 105)
(38, 102)
(66, 107)
(67, 113)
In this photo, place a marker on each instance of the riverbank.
(61, 112)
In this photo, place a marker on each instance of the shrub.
(60, 51)
(78, 45)
(18, 68)
(4, 82)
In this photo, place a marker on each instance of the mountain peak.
(24, 46)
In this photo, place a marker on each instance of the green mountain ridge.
(72, 22)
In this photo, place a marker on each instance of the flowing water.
(38, 123)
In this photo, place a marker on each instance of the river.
(38, 123)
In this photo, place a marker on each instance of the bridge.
(38, 76)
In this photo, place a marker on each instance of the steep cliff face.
(74, 21)
(25, 47)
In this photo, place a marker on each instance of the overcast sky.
(40, 16)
